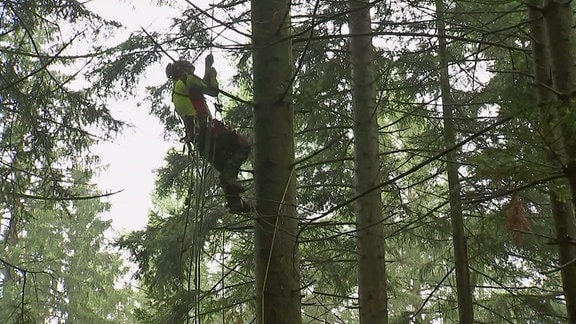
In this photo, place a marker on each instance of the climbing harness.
(195, 201)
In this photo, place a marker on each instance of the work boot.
(186, 139)
(237, 205)
(233, 163)
(230, 185)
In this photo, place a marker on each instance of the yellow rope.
(274, 237)
(199, 204)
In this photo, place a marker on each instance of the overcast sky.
(133, 155)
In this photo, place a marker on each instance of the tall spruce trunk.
(276, 222)
(460, 245)
(562, 210)
(369, 219)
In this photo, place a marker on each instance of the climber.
(223, 147)
(188, 95)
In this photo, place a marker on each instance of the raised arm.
(196, 87)
(210, 76)
(207, 86)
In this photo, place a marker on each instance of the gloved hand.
(210, 73)
(209, 61)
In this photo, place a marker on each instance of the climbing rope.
(195, 203)
(199, 203)
(198, 169)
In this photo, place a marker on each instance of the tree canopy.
(472, 107)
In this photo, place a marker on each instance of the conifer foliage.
(468, 140)
(55, 264)
(465, 176)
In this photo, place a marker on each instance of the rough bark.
(459, 241)
(277, 284)
(369, 218)
(562, 210)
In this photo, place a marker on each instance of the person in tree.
(223, 147)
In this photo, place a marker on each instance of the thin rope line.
(199, 204)
(191, 159)
(274, 237)
(198, 246)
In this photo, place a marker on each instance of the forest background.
(428, 178)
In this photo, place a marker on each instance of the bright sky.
(133, 155)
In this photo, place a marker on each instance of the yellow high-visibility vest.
(183, 93)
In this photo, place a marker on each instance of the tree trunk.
(369, 219)
(463, 286)
(563, 211)
(277, 283)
